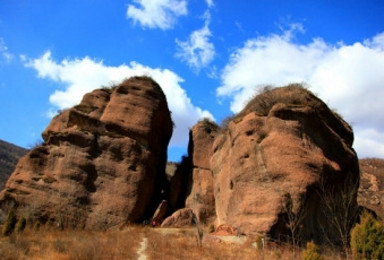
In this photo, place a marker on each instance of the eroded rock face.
(277, 163)
(201, 198)
(371, 190)
(102, 163)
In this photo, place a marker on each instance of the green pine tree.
(367, 238)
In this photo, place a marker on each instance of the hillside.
(9, 156)
(371, 191)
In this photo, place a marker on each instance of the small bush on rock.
(20, 225)
(9, 224)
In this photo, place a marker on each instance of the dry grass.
(292, 94)
(72, 244)
(125, 244)
(185, 246)
(295, 95)
(85, 108)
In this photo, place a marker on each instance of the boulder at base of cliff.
(181, 218)
(102, 163)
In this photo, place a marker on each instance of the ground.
(138, 242)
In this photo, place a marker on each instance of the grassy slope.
(126, 244)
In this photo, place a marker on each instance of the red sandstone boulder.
(181, 218)
(102, 163)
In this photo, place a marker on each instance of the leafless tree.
(294, 220)
(340, 211)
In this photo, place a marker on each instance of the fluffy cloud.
(370, 142)
(79, 76)
(197, 51)
(157, 13)
(348, 77)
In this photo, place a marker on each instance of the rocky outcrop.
(102, 163)
(371, 190)
(283, 167)
(181, 218)
(201, 198)
(191, 181)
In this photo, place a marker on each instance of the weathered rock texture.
(181, 218)
(102, 163)
(160, 213)
(371, 190)
(201, 198)
(282, 166)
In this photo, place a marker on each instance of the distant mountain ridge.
(9, 156)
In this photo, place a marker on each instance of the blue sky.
(209, 56)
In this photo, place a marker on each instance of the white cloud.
(4, 53)
(79, 76)
(370, 142)
(161, 14)
(348, 78)
(210, 3)
(197, 51)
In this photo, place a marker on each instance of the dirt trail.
(141, 250)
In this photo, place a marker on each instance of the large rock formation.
(201, 198)
(102, 163)
(371, 190)
(191, 181)
(283, 167)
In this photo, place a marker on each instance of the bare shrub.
(295, 217)
(267, 97)
(85, 108)
(340, 211)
